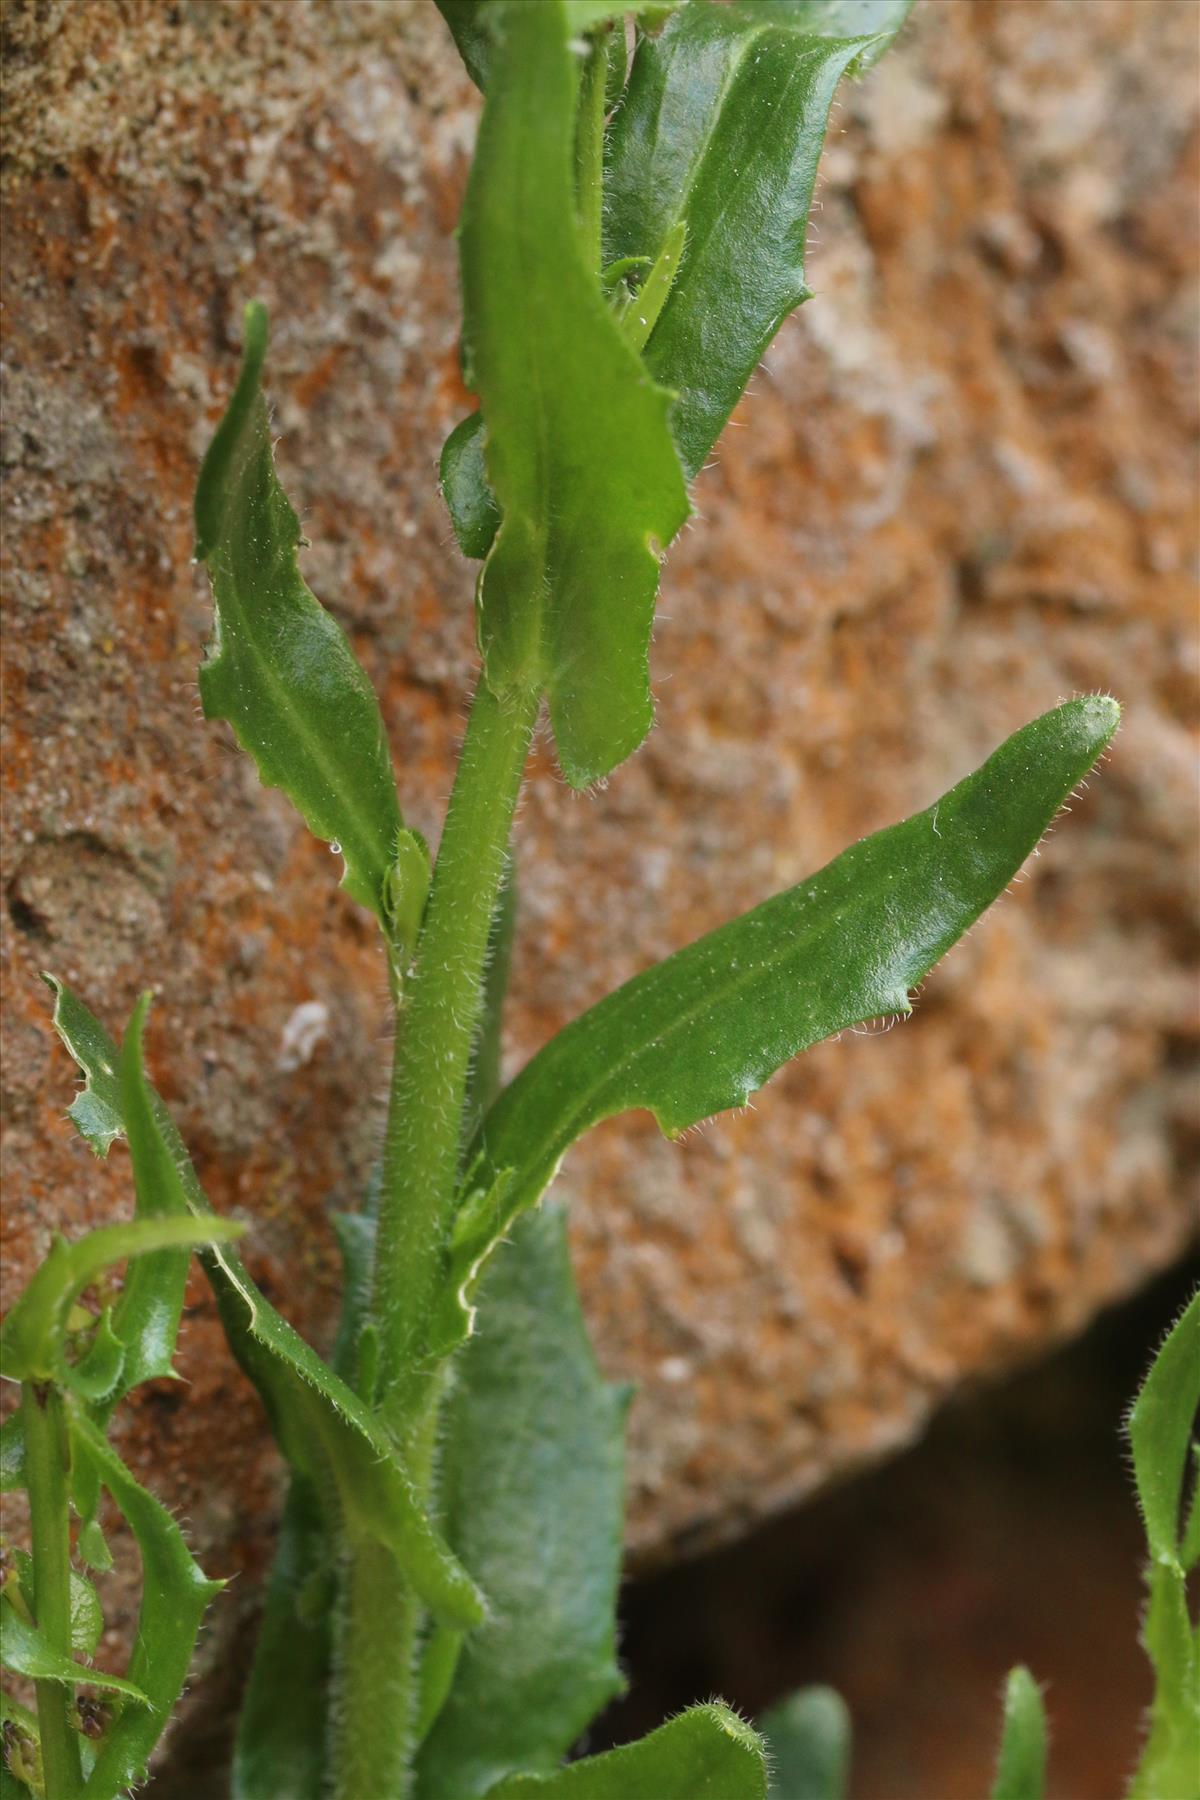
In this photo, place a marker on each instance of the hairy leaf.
(146, 1317)
(12, 1454)
(716, 142)
(24, 1651)
(470, 23)
(721, 128)
(579, 453)
(706, 1752)
(87, 1617)
(1161, 1428)
(1021, 1771)
(32, 1336)
(279, 667)
(462, 475)
(322, 1426)
(282, 1746)
(533, 1501)
(175, 1596)
(698, 1033)
(880, 20)
(808, 1742)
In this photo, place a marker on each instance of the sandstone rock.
(962, 488)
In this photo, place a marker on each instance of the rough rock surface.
(962, 488)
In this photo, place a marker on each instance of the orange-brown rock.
(962, 488)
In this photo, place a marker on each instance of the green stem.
(46, 1466)
(378, 1682)
(589, 148)
(381, 1621)
(435, 1034)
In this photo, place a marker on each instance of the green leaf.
(880, 20)
(1021, 1771)
(281, 1747)
(808, 1743)
(12, 1454)
(87, 1616)
(321, 1424)
(470, 502)
(706, 1752)
(146, 1317)
(1189, 1549)
(95, 1111)
(722, 127)
(33, 1333)
(279, 668)
(717, 141)
(471, 25)
(533, 1502)
(579, 453)
(698, 1033)
(1161, 1427)
(24, 1651)
(175, 1596)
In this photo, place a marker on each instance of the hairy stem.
(381, 1619)
(378, 1686)
(46, 1469)
(436, 1030)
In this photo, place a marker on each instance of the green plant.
(440, 1617)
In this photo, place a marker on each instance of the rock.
(961, 489)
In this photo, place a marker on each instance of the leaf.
(579, 453)
(533, 1502)
(1161, 1426)
(282, 1739)
(471, 34)
(175, 1596)
(146, 1317)
(279, 667)
(31, 1338)
(719, 135)
(12, 1454)
(281, 1748)
(462, 476)
(1021, 1771)
(879, 20)
(1189, 1549)
(707, 1753)
(469, 22)
(24, 1651)
(321, 1424)
(87, 1617)
(722, 127)
(698, 1033)
(808, 1742)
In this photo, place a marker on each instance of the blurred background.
(963, 486)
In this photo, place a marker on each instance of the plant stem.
(377, 1680)
(436, 1031)
(589, 147)
(46, 1478)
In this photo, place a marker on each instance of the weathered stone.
(962, 488)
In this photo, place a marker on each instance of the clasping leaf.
(323, 1427)
(698, 1033)
(279, 667)
(578, 449)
